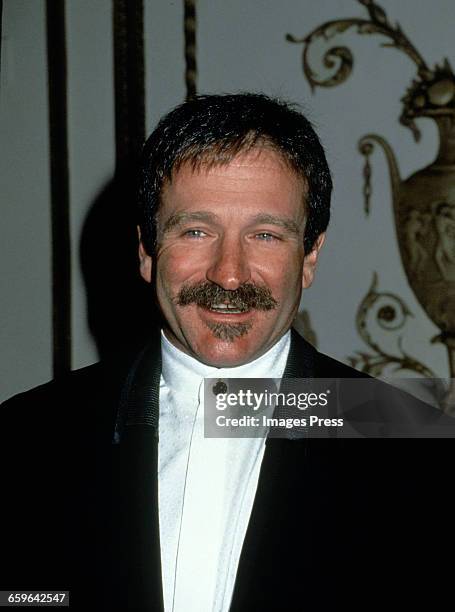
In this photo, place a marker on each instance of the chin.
(226, 354)
(224, 361)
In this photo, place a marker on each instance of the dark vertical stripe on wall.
(60, 230)
(128, 80)
(190, 47)
(1, 30)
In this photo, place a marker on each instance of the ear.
(310, 261)
(145, 261)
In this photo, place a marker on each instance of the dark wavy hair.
(213, 129)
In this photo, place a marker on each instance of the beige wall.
(241, 46)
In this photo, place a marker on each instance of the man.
(116, 495)
(236, 180)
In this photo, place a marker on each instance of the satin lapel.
(301, 359)
(277, 480)
(136, 438)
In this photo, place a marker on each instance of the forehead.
(258, 179)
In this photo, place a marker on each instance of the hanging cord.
(366, 149)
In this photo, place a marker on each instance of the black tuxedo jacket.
(334, 522)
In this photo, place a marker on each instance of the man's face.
(230, 265)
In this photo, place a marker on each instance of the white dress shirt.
(206, 486)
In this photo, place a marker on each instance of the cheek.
(175, 265)
(173, 271)
(283, 274)
(166, 285)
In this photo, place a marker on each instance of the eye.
(266, 236)
(194, 233)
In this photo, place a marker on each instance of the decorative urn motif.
(423, 203)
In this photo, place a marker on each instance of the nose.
(229, 267)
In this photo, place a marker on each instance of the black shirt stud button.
(219, 387)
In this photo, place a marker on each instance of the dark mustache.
(246, 297)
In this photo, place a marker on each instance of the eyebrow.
(285, 222)
(181, 218)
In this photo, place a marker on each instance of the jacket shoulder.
(328, 367)
(305, 361)
(82, 379)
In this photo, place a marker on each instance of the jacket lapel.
(136, 531)
(280, 475)
(301, 358)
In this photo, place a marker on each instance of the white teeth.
(225, 307)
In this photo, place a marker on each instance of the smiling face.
(229, 265)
